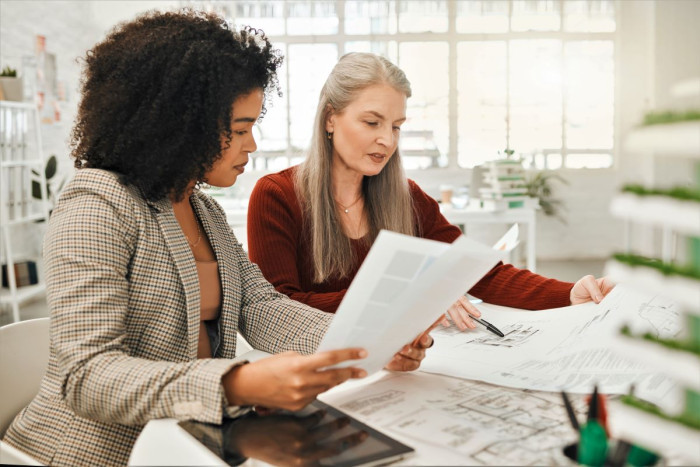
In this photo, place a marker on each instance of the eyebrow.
(378, 115)
(245, 119)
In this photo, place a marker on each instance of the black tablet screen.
(317, 435)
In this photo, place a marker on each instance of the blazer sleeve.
(274, 227)
(88, 247)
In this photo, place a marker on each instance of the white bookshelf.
(20, 156)
(666, 140)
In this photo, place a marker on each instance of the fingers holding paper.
(589, 288)
(289, 381)
(411, 355)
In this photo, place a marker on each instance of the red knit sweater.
(277, 243)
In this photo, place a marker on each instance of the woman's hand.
(410, 356)
(589, 288)
(461, 312)
(289, 381)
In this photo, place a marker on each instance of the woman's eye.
(241, 132)
(397, 128)
(372, 123)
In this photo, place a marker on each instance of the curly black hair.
(157, 96)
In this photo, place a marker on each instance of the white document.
(509, 240)
(452, 421)
(564, 348)
(402, 287)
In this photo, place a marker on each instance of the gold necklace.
(347, 208)
(199, 237)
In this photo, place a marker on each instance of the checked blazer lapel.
(218, 232)
(186, 267)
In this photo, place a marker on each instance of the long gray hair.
(388, 203)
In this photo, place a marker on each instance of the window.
(536, 76)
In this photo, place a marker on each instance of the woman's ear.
(330, 119)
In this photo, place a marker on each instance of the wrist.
(234, 384)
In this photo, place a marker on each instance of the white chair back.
(24, 356)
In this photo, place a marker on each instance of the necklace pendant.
(347, 211)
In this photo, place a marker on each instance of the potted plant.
(11, 85)
(539, 186)
(50, 171)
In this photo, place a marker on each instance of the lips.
(377, 157)
(240, 167)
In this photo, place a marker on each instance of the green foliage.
(9, 72)
(49, 172)
(681, 193)
(684, 419)
(540, 186)
(660, 118)
(685, 346)
(667, 269)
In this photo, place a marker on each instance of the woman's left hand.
(589, 288)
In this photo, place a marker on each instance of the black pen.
(489, 326)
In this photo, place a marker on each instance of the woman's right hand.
(289, 381)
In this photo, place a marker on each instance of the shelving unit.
(20, 158)
(676, 219)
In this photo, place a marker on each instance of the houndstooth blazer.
(123, 295)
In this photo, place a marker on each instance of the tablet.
(318, 435)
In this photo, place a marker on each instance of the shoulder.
(104, 187)
(421, 199)
(276, 185)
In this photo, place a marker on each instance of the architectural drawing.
(471, 422)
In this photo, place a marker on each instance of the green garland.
(681, 193)
(685, 346)
(667, 269)
(683, 419)
(660, 118)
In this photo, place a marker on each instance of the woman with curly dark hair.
(147, 285)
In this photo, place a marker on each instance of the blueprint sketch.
(459, 422)
(565, 348)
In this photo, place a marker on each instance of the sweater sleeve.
(505, 284)
(274, 233)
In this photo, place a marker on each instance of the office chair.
(24, 356)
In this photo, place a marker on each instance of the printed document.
(565, 348)
(402, 287)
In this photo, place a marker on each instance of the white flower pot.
(12, 88)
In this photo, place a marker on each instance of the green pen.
(593, 445)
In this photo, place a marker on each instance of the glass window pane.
(535, 95)
(535, 15)
(311, 17)
(309, 66)
(590, 86)
(482, 16)
(265, 15)
(425, 132)
(388, 50)
(423, 16)
(589, 16)
(481, 88)
(271, 132)
(370, 17)
(588, 161)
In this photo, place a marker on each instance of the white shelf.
(683, 290)
(683, 367)
(677, 215)
(655, 433)
(26, 219)
(23, 293)
(671, 139)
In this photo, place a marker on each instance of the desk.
(447, 421)
(237, 218)
(476, 215)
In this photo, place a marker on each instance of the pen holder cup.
(635, 455)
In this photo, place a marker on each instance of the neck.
(347, 184)
(185, 197)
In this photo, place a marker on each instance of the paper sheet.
(565, 348)
(402, 287)
(458, 422)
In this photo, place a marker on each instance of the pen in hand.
(485, 323)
